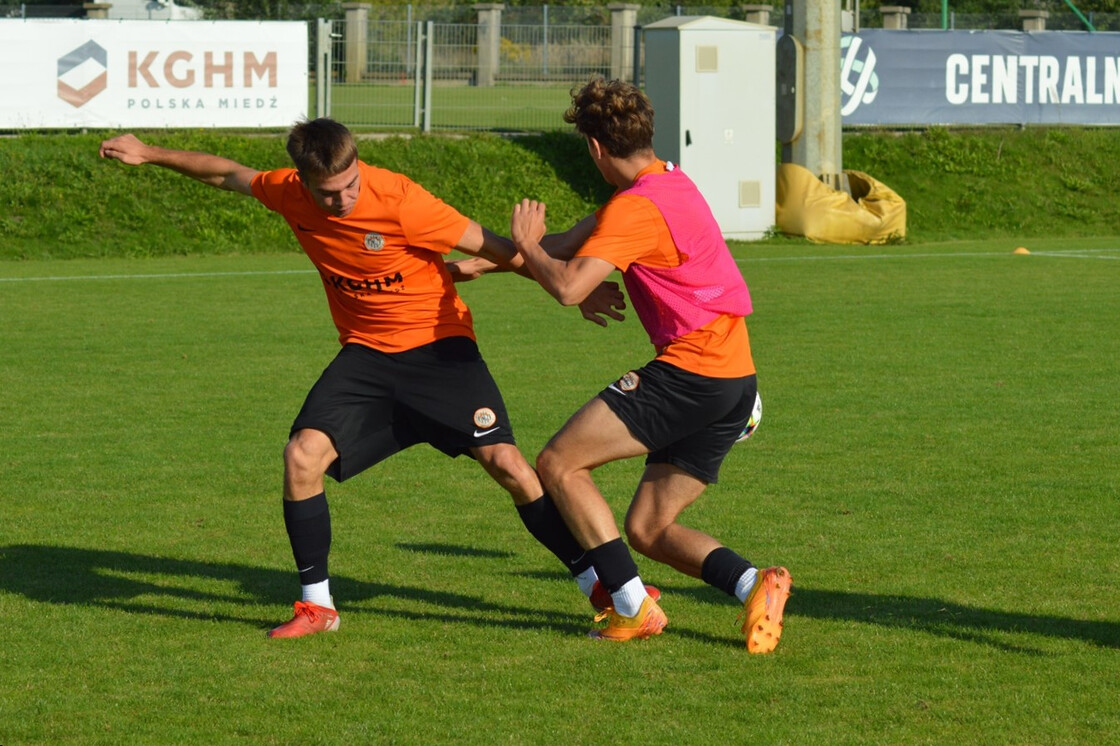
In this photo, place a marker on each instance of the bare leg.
(505, 464)
(651, 523)
(592, 437)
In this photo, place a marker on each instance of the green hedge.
(58, 199)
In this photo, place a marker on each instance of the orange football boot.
(309, 619)
(762, 611)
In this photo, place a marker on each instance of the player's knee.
(307, 456)
(504, 460)
(550, 467)
(641, 536)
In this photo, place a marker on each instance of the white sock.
(586, 580)
(745, 584)
(628, 599)
(319, 594)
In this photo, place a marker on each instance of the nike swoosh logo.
(304, 228)
(480, 433)
(612, 387)
(305, 569)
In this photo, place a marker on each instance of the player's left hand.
(527, 224)
(605, 300)
(465, 270)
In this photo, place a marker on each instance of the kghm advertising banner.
(113, 74)
(980, 77)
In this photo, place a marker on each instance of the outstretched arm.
(490, 253)
(565, 245)
(569, 281)
(499, 254)
(209, 169)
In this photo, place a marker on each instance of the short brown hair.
(321, 147)
(615, 113)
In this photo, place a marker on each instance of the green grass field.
(454, 106)
(937, 466)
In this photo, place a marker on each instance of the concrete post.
(624, 17)
(895, 17)
(816, 24)
(355, 40)
(489, 41)
(97, 10)
(1034, 20)
(759, 14)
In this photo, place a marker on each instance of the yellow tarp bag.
(808, 207)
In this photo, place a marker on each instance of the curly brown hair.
(321, 147)
(615, 113)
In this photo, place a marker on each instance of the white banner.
(125, 74)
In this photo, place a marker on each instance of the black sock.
(722, 569)
(309, 530)
(547, 526)
(613, 564)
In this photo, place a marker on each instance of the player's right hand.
(125, 148)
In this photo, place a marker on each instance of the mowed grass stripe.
(937, 466)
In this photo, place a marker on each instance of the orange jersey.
(631, 230)
(381, 265)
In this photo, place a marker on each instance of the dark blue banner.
(980, 77)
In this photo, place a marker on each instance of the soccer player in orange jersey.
(409, 370)
(685, 409)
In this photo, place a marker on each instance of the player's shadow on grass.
(193, 589)
(936, 616)
(220, 591)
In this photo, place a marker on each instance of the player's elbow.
(569, 296)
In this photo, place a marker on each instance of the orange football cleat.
(602, 601)
(309, 619)
(763, 609)
(649, 620)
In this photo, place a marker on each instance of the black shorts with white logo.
(373, 404)
(684, 419)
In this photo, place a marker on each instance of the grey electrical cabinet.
(712, 85)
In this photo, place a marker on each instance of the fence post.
(544, 44)
(895, 17)
(429, 46)
(356, 40)
(489, 41)
(324, 56)
(757, 14)
(97, 10)
(637, 56)
(1034, 20)
(418, 81)
(624, 17)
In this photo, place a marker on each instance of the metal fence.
(1055, 21)
(394, 74)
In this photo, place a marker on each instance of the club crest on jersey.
(374, 241)
(484, 417)
(629, 382)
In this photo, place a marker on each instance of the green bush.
(58, 199)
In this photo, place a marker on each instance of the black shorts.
(684, 419)
(373, 404)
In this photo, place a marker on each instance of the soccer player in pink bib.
(685, 409)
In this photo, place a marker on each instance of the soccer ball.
(752, 423)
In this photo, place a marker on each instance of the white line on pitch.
(1087, 254)
(1075, 253)
(1072, 253)
(169, 275)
